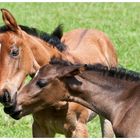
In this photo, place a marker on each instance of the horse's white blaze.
(0, 46)
(36, 73)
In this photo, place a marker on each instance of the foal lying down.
(113, 93)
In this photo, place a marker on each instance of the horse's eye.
(14, 51)
(41, 83)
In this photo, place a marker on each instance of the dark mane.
(56, 61)
(120, 73)
(53, 38)
(116, 72)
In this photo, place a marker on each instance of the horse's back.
(72, 38)
(90, 46)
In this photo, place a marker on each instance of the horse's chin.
(25, 112)
(19, 114)
(16, 115)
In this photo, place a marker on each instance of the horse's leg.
(37, 131)
(106, 128)
(70, 124)
(80, 131)
(40, 132)
(76, 120)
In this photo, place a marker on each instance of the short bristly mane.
(53, 38)
(57, 61)
(120, 73)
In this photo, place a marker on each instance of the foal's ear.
(9, 20)
(70, 71)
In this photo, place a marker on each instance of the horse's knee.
(80, 131)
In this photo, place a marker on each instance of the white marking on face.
(0, 46)
(36, 73)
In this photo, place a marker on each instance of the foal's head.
(16, 57)
(31, 99)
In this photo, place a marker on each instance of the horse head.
(16, 58)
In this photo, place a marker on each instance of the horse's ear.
(70, 71)
(9, 20)
(58, 31)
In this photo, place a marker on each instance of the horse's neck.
(43, 52)
(104, 93)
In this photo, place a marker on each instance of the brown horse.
(112, 93)
(24, 50)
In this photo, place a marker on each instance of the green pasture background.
(120, 21)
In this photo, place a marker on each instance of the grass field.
(120, 21)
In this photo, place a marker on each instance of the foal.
(113, 93)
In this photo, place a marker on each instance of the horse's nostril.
(9, 110)
(6, 97)
(12, 112)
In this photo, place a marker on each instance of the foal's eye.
(41, 83)
(14, 51)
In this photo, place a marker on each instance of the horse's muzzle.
(5, 99)
(16, 115)
(11, 107)
(12, 111)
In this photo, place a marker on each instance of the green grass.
(120, 21)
